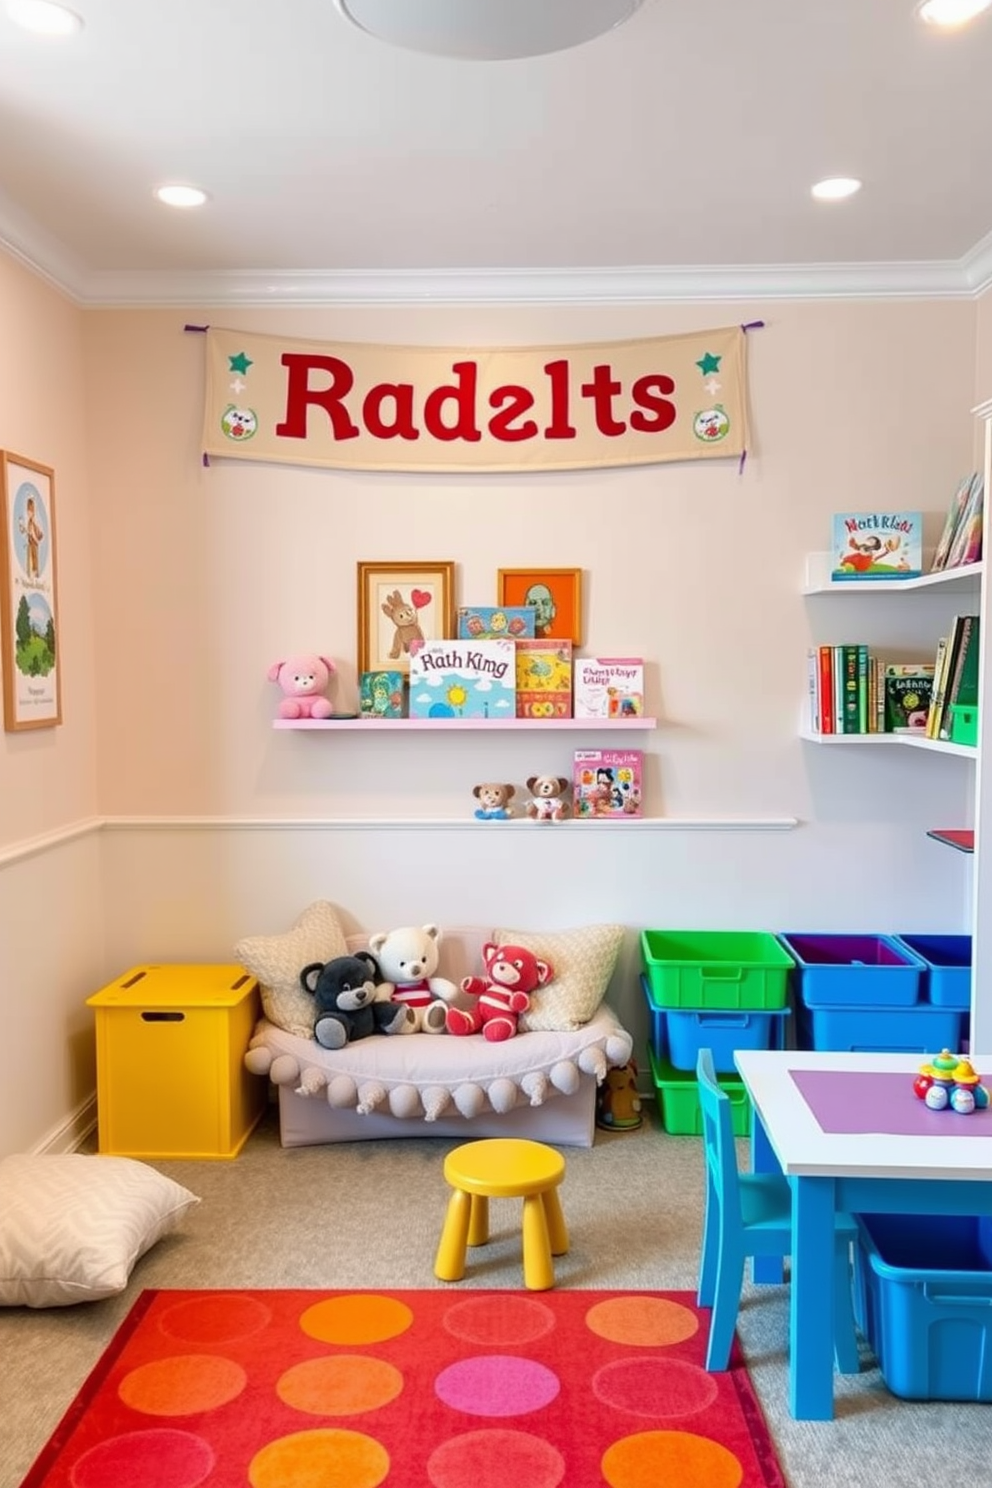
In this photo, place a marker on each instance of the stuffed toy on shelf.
(305, 681)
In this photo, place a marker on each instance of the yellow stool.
(503, 1168)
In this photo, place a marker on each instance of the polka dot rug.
(441, 1388)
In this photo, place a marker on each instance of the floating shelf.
(963, 838)
(377, 725)
(948, 581)
(913, 738)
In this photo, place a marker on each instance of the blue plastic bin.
(947, 959)
(678, 1034)
(923, 1299)
(854, 970)
(881, 1030)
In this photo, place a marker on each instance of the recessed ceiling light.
(487, 30)
(951, 12)
(44, 17)
(181, 196)
(836, 188)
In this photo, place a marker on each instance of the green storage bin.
(716, 969)
(964, 724)
(678, 1099)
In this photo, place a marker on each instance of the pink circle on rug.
(215, 1318)
(655, 1387)
(642, 1320)
(497, 1385)
(654, 1457)
(356, 1318)
(491, 1459)
(339, 1385)
(320, 1459)
(183, 1385)
(499, 1320)
(155, 1459)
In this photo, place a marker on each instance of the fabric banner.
(420, 408)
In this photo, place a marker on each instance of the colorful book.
(877, 545)
(908, 687)
(381, 694)
(952, 522)
(966, 544)
(463, 679)
(495, 622)
(608, 687)
(606, 783)
(827, 690)
(544, 679)
(962, 688)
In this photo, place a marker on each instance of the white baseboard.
(71, 1133)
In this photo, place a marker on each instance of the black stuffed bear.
(344, 991)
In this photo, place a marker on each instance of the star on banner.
(242, 362)
(237, 386)
(712, 387)
(706, 364)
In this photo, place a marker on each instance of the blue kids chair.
(748, 1215)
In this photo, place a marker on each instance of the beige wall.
(197, 579)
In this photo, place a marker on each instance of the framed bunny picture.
(400, 606)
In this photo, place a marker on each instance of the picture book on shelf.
(463, 679)
(544, 679)
(877, 545)
(908, 689)
(381, 694)
(495, 622)
(608, 686)
(964, 516)
(606, 783)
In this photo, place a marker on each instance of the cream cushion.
(72, 1226)
(277, 960)
(583, 960)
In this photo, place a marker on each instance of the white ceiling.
(673, 155)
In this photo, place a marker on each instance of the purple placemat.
(858, 1101)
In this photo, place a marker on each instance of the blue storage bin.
(880, 1030)
(854, 970)
(947, 959)
(678, 1034)
(923, 1299)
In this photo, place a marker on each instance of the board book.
(877, 545)
(544, 679)
(606, 783)
(381, 694)
(608, 687)
(495, 622)
(463, 679)
(908, 689)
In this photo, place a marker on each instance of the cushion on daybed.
(277, 960)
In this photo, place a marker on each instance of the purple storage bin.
(854, 970)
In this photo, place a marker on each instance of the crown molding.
(96, 289)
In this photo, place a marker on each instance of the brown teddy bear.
(548, 803)
(494, 801)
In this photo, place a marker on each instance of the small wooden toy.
(949, 1083)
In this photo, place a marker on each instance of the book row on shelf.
(853, 691)
(867, 546)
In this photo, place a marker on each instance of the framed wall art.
(554, 593)
(402, 605)
(29, 618)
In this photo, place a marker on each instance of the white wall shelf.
(913, 739)
(453, 725)
(966, 579)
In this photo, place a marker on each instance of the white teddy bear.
(408, 959)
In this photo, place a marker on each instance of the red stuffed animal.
(512, 973)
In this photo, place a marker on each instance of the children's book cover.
(877, 545)
(544, 679)
(608, 686)
(381, 694)
(463, 679)
(606, 783)
(496, 622)
(908, 688)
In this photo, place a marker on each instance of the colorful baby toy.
(949, 1083)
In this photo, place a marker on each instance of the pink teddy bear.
(304, 680)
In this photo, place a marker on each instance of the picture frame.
(556, 593)
(399, 604)
(29, 619)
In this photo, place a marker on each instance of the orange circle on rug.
(653, 1457)
(491, 1459)
(182, 1385)
(342, 1385)
(645, 1322)
(499, 1320)
(169, 1459)
(215, 1319)
(320, 1459)
(355, 1319)
(656, 1387)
